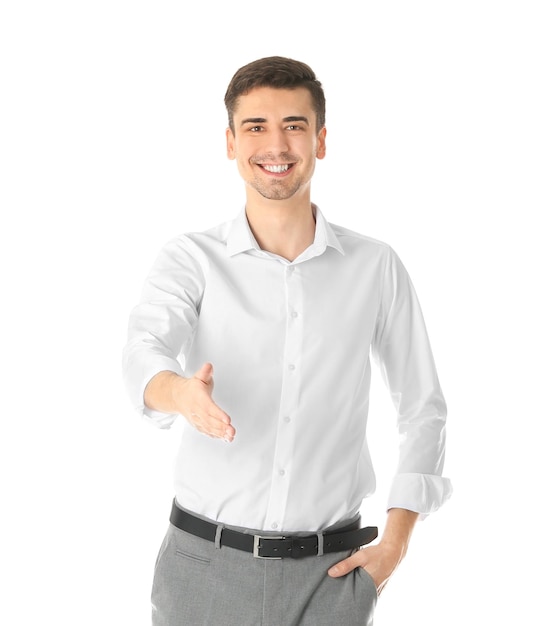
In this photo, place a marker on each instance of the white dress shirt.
(291, 344)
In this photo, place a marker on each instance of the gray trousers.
(198, 584)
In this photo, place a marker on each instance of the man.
(259, 333)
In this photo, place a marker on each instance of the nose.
(277, 141)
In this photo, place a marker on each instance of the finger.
(215, 412)
(205, 373)
(221, 428)
(214, 425)
(212, 412)
(345, 567)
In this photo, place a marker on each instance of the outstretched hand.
(194, 398)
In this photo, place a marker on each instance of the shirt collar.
(241, 239)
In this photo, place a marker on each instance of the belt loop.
(319, 544)
(218, 534)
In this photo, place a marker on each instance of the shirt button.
(274, 525)
(282, 472)
(291, 367)
(294, 314)
(287, 419)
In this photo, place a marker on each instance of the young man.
(259, 332)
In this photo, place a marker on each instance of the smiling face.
(276, 142)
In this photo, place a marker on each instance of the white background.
(441, 141)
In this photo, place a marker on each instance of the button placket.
(291, 384)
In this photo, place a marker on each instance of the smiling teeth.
(276, 169)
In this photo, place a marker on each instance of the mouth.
(277, 169)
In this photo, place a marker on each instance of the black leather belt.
(266, 547)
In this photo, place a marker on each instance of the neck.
(282, 227)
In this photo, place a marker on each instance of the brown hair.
(278, 73)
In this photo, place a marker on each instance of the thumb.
(205, 373)
(345, 567)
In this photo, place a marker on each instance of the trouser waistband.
(279, 547)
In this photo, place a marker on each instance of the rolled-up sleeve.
(402, 350)
(161, 326)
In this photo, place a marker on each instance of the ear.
(321, 146)
(230, 144)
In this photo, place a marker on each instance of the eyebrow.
(262, 120)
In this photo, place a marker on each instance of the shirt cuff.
(137, 381)
(422, 493)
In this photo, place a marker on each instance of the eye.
(293, 127)
(256, 129)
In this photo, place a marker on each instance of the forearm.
(398, 530)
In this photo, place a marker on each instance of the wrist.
(176, 385)
(161, 392)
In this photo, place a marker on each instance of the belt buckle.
(256, 547)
